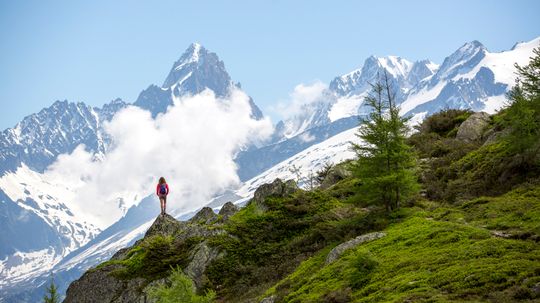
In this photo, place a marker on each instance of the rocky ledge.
(108, 283)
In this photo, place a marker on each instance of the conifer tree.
(522, 116)
(385, 162)
(52, 294)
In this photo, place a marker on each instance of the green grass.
(263, 247)
(516, 213)
(444, 254)
(153, 258)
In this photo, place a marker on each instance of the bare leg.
(162, 204)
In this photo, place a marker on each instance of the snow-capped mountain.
(253, 162)
(403, 73)
(333, 150)
(40, 226)
(345, 94)
(39, 138)
(41, 223)
(472, 77)
(196, 70)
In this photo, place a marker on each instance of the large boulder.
(164, 225)
(270, 299)
(204, 216)
(227, 210)
(472, 129)
(334, 175)
(98, 285)
(335, 253)
(491, 136)
(277, 188)
(200, 257)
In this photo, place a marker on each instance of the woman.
(162, 190)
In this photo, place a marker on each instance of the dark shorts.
(163, 197)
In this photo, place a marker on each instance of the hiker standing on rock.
(162, 190)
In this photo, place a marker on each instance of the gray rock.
(227, 210)
(155, 283)
(270, 299)
(277, 188)
(341, 248)
(204, 216)
(491, 136)
(164, 225)
(471, 130)
(536, 290)
(121, 254)
(98, 285)
(201, 256)
(335, 174)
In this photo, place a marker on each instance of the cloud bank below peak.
(192, 145)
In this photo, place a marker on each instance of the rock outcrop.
(227, 210)
(164, 225)
(277, 188)
(101, 284)
(201, 257)
(334, 175)
(204, 216)
(472, 129)
(270, 299)
(492, 136)
(335, 253)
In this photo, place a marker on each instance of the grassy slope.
(467, 247)
(436, 254)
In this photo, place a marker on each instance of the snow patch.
(426, 94)
(346, 107)
(336, 149)
(494, 103)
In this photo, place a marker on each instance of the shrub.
(181, 289)
(363, 265)
(445, 122)
(153, 257)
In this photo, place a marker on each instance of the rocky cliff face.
(130, 273)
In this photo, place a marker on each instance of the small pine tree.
(523, 113)
(52, 293)
(385, 162)
(181, 289)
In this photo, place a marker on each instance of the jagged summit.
(196, 70)
(404, 72)
(39, 138)
(465, 57)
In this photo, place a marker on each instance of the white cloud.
(302, 98)
(192, 145)
(307, 137)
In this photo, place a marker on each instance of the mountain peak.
(471, 48)
(192, 54)
(196, 70)
(464, 58)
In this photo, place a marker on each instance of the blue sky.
(95, 51)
